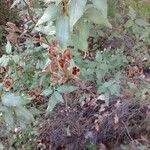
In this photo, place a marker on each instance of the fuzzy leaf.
(62, 29)
(49, 14)
(76, 10)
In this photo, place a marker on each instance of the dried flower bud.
(8, 83)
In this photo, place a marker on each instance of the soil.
(76, 127)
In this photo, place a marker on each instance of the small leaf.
(141, 22)
(66, 88)
(58, 96)
(76, 10)
(62, 30)
(98, 56)
(115, 89)
(132, 13)
(54, 100)
(49, 14)
(8, 47)
(8, 118)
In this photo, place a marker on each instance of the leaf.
(141, 22)
(49, 14)
(66, 88)
(8, 118)
(101, 5)
(53, 101)
(115, 89)
(62, 30)
(76, 10)
(4, 60)
(24, 115)
(98, 56)
(96, 17)
(80, 38)
(58, 96)
(8, 47)
(47, 92)
(12, 100)
(132, 13)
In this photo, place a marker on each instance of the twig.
(29, 12)
(127, 131)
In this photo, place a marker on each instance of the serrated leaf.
(12, 100)
(8, 47)
(49, 14)
(76, 10)
(114, 89)
(101, 5)
(66, 88)
(62, 30)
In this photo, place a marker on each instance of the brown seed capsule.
(8, 83)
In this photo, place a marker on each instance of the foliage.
(142, 7)
(52, 49)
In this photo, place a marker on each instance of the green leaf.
(58, 96)
(12, 100)
(62, 30)
(98, 56)
(107, 98)
(96, 17)
(76, 10)
(141, 22)
(47, 92)
(53, 101)
(80, 37)
(132, 13)
(66, 88)
(101, 5)
(49, 14)
(4, 60)
(8, 118)
(24, 115)
(8, 47)
(129, 23)
(114, 89)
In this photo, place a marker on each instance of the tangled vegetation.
(75, 75)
